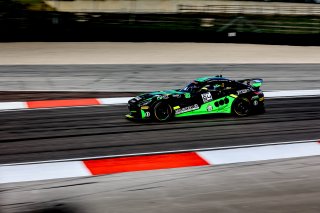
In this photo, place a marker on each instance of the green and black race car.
(203, 96)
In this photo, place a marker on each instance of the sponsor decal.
(255, 103)
(206, 97)
(255, 97)
(176, 96)
(209, 108)
(261, 99)
(145, 107)
(187, 95)
(165, 97)
(176, 107)
(187, 109)
(242, 91)
(147, 114)
(233, 96)
(221, 102)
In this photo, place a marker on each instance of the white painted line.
(291, 93)
(13, 105)
(45, 171)
(239, 155)
(110, 101)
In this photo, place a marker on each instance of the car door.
(216, 88)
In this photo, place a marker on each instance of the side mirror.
(256, 84)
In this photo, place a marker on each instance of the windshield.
(192, 87)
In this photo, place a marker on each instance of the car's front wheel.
(162, 111)
(241, 107)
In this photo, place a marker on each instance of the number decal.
(206, 97)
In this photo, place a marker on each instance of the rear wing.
(254, 82)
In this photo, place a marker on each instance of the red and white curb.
(70, 168)
(62, 103)
(124, 100)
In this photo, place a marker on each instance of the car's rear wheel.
(241, 107)
(162, 111)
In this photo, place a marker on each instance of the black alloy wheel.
(162, 111)
(241, 107)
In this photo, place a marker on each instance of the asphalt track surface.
(150, 77)
(278, 186)
(52, 134)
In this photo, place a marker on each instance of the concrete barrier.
(178, 6)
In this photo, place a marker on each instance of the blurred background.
(294, 22)
(79, 49)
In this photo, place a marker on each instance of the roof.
(204, 79)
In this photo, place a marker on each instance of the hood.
(166, 92)
(160, 94)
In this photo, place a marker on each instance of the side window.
(230, 86)
(240, 86)
(216, 86)
(234, 86)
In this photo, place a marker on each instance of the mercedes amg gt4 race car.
(207, 95)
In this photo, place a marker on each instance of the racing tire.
(162, 111)
(241, 107)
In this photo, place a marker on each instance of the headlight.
(138, 98)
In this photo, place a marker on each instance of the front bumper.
(129, 116)
(138, 113)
